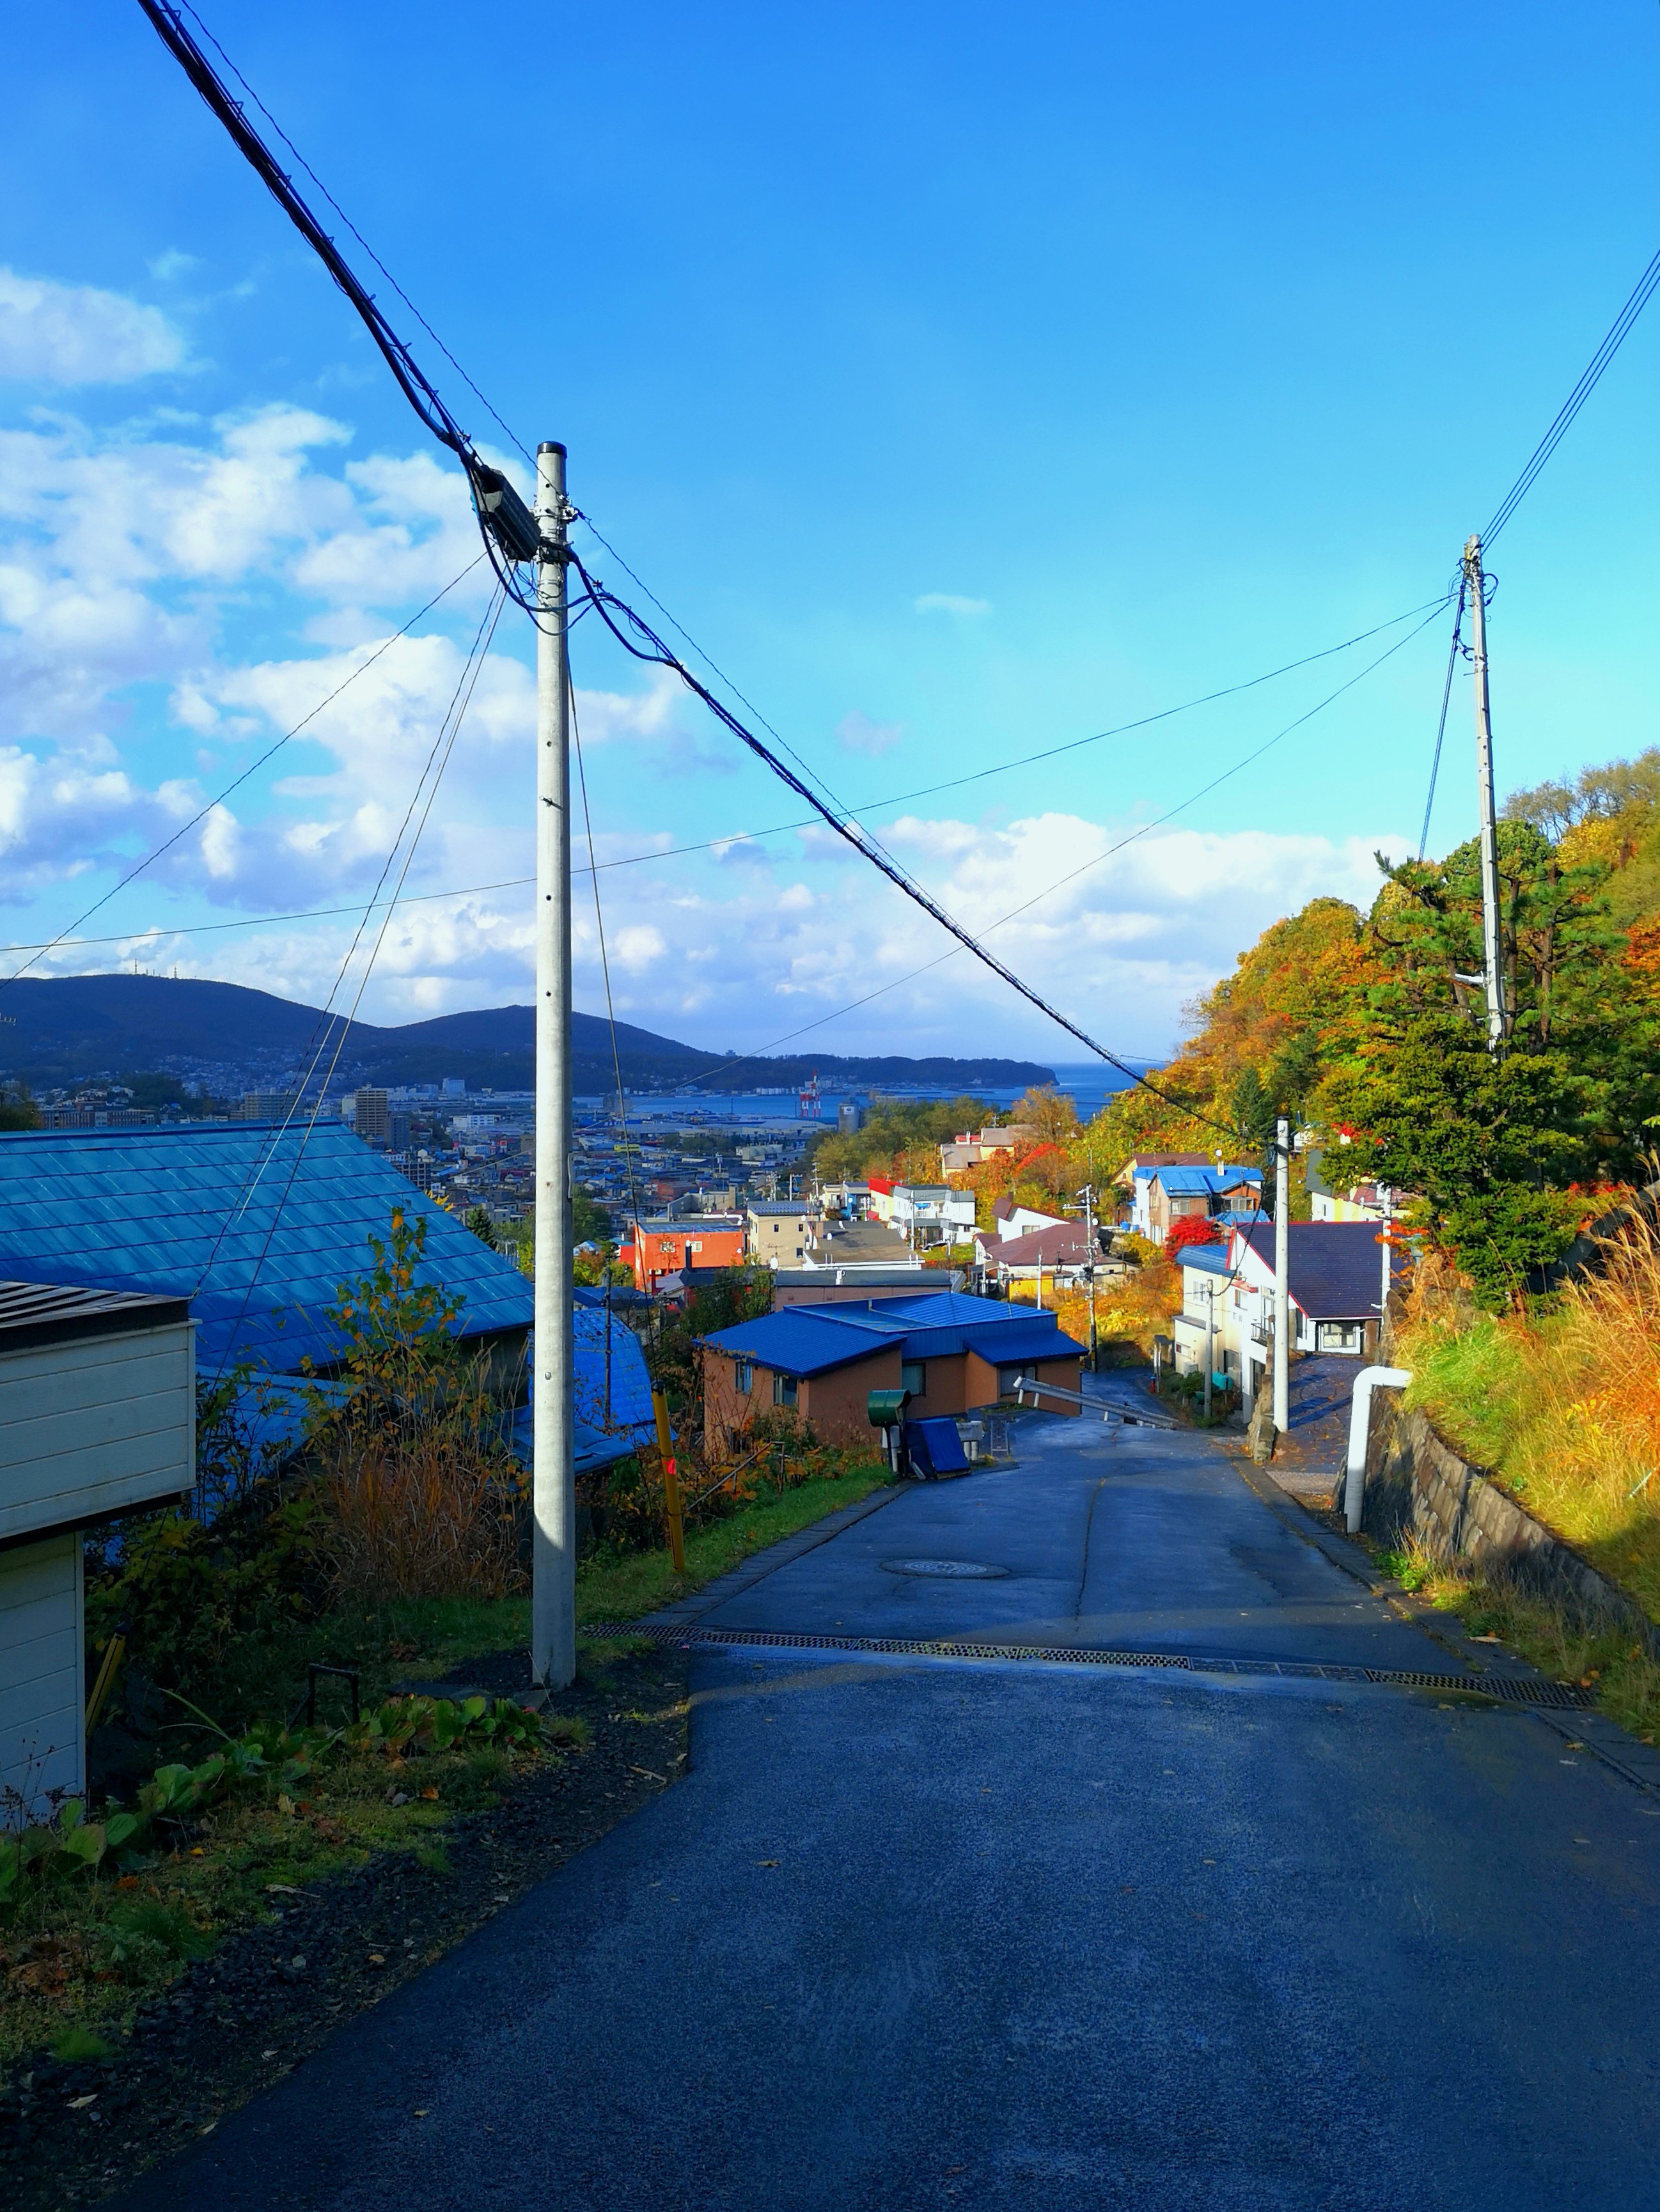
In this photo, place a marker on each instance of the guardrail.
(1128, 1417)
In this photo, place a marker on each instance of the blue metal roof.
(1190, 1182)
(1205, 1259)
(806, 1340)
(256, 1226)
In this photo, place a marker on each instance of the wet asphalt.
(1006, 1933)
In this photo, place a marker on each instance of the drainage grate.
(1509, 1689)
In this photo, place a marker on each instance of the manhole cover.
(969, 1569)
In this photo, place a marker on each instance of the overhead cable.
(1441, 727)
(236, 782)
(431, 776)
(509, 527)
(654, 650)
(1619, 330)
(1099, 860)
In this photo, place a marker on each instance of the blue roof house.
(952, 1351)
(258, 1227)
(1178, 1192)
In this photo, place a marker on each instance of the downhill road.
(1007, 1932)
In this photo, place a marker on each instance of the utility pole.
(1492, 944)
(553, 1469)
(1087, 1195)
(1282, 1275)
(1210, 1342)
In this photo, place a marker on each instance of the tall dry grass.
(1561, 1402)
(422, 1515)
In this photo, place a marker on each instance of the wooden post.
(660, 1406)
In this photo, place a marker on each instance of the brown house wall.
(983, 1380)
(834, 1404)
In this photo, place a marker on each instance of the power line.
(442, 745)
(709, 844)
(1619, 330)
(506, 428)
(1061, 882)
(654, 650)
(1441, 727)
(605, 971)
(237, 782)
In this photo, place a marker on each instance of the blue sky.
(964, 384)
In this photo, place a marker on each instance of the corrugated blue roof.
(1206, 1259)
(256, 1226)
(1190, 1182)
(813, 1339)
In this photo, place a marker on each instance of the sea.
(1088, 1083)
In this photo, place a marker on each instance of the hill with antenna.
(224, 1038)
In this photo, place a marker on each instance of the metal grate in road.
(1509, 1689)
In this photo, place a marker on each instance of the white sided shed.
(97, 1419)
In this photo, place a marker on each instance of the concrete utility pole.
(1210, 1341)
(1087, 1195)
(1492, 944)
(553, 1472)
(1282, 1275)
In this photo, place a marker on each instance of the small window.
(783, 1390)
(743, 1374)
(914, 1378)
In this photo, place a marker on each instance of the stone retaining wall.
(1417, 1485)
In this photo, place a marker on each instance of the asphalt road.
(1004, 1933)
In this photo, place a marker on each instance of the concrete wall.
(42, 1686)
(1417, 1485)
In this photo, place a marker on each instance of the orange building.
(663, 1247)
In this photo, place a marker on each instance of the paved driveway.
(1008, 1933)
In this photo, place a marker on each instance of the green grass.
(264, 1672)
(1623, 1674)
(624, 1588)
(84, 1953)
(1515, 1398)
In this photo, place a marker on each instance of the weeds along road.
(1010, 1933)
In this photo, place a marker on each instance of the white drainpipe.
(1354, 1487)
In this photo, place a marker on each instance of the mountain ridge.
(228, 1037)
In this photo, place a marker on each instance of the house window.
(914, 1378)
(1339, 1336)
(743, 1376)
(783, 1390)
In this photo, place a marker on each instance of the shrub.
(419, 1496)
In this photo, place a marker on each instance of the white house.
(1335, 1272)
(97, 1419)
(779, 1231)
(1014, 1220)
(931, 1213)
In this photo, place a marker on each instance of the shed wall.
(94, 1426)
(42, 1682)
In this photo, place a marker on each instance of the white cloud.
(1120, 948)
(859, 734)
(173, 263)
(951, 602)
(76, 334)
